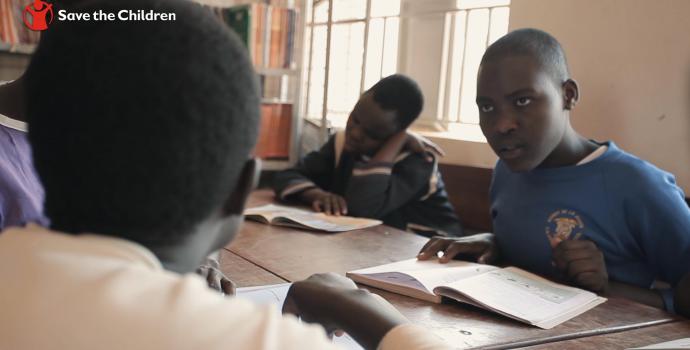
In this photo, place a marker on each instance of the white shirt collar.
(12, 123)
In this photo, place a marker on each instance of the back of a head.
(401, 94)
(540, 45)
(140, 129)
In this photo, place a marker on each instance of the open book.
(293, 217)
(509, 291)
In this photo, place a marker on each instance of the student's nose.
(505, 124)
(356, 133)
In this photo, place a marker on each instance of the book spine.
(292, 20)
(267, 35)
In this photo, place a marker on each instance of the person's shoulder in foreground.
(614, 223)
(143, 142)
(21, 194)
(376, 168)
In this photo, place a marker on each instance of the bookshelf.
(15, 37)
(273, 31)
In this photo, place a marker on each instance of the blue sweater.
(633, 211)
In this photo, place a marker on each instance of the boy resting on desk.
(563, 205)
(142, 141)
(375, 168)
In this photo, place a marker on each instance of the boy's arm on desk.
(313, 171)
(641, 295)
(335, 302)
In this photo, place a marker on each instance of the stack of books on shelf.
(274, 131)
(14, 35)
(268, 29)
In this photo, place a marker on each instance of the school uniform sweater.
(633, 211)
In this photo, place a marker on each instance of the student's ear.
(571, 94)
(246, 183)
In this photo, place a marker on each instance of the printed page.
(429, 273)
(675, 344)
(271, 211)
(526, 296)
(295, 217)
(275, 295)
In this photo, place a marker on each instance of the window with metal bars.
(351, 44)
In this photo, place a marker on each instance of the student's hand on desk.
(326, 202)
(216, 280)
(583, 264)
(481, 247)
(419, 144)
(336, 303)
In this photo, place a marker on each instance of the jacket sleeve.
(314, 170)
(377, 189)
(659, 217)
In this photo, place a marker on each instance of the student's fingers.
(575, 244)
(563, 258)
(434, 148)
(343, 205)
(213, 263)
(227, 286)
(213, 279)
(456, 248)
(317, 205)
(592, 280)
(431, 248)
(489, 256)
(581, 266)
(327, 206)
(335, 205)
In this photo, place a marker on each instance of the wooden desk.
(245, 273)
(294, 254)
(628, 339)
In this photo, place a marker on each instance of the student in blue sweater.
(564, 206)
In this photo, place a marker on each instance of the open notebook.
(509, 291)
(286, 216)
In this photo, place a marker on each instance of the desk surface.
(245, 273)
(628, 339)
(294, 254)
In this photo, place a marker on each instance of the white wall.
(632, 59)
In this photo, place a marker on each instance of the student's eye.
(523, 101)
(486, 108)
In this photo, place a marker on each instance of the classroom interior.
(314, 59)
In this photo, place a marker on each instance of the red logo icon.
(38, 12)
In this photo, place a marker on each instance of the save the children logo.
(38, 15)
(562, 225)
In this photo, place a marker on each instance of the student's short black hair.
(401, 94)
(534, 43)
(140, 129)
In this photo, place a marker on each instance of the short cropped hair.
(534, 43)
(401, 94)
(140, 129)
